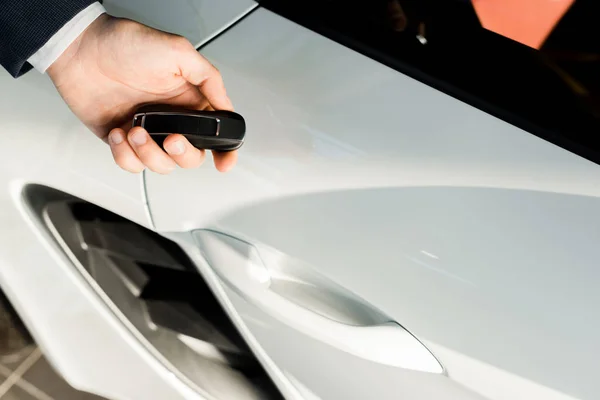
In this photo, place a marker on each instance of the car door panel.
(474, 235)
(332, 374)
(442, 264)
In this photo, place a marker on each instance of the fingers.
(199, 72)
(182, 152)
(187, 156)
(224, 161)
(122, 152)
(137, 150)
(213, 89)
(149, 152)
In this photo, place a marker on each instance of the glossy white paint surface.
(476, 236)
(241, 267)
(197, 20)
(43, 143)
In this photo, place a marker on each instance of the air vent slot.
(152, 285)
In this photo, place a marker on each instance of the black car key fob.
(209, 130)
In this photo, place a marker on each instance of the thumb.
(198, 71)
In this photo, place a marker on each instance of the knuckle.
(128, 25)
(181, 43)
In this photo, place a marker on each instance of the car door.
(380, 238)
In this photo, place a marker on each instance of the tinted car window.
(549, 85)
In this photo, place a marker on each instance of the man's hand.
(117, 65)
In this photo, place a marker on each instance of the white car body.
(477, 237)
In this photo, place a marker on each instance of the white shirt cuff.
(62, 39)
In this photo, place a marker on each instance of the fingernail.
(176, 148)
(115, 138)
(139, 137)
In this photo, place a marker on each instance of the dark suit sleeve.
(26, 25)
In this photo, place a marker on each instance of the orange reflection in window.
(526, 21)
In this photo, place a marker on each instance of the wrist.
(70, 54)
